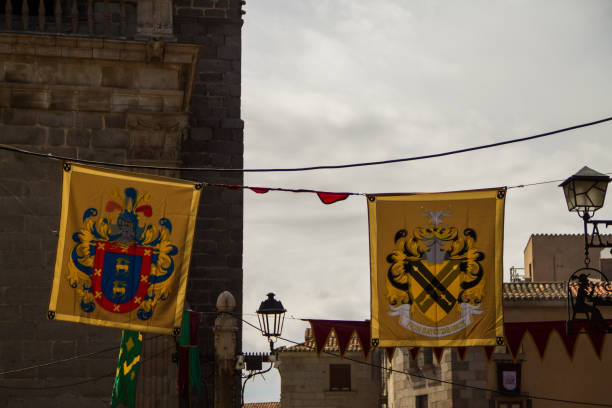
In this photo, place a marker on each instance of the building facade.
(546, 361)
(554, 257)
(309, 380)
(540, 366)
(148, 82)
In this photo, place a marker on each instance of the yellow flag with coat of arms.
(436, 268)
(124, 249)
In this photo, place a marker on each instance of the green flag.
(189, 373)
(124, 390)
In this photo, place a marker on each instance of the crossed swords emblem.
(434, 286)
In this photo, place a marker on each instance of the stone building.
(554, 257)
(539, 362)
(571, 368)
(147, 82)
(309, 380)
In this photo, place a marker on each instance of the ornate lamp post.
(585, 193)
(271, 315)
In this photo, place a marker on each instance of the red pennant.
(540, 335)
(390, 352)
(461, 351)
(343, 329)
(259, 190)
(597, 340)
(514, 333)
(343, 335)
(364, 334)
(488, 350)
(330, 198)
(414, 352)
(438, 351)
(320, 332)
(569, 340)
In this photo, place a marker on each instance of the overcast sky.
(344, 81)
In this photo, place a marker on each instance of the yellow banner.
(436, 268)
(124, 249)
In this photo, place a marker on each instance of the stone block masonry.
(107, 100)
(215, 139)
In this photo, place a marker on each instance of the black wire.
(64, 360)
(293, 169)
(363, 362)
(112, 374)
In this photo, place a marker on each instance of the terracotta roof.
(564, 235)
(330, 345)
(535, 291)
(549, 290)
(262, 405)
(515, 291)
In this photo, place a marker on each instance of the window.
(339, 377)
(421, 401)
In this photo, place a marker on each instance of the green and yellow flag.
(436, 268)
(124, 389)
(124, 249)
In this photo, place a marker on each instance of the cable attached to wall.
(308, 168)
(390, 369)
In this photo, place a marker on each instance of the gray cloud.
(330, 82)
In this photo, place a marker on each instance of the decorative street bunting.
(344, 330)
(124, 249)
(436, 268)
(189, 378)
(325, 196)
(124, 388)
(515, 334)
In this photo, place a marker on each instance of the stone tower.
(147, 82)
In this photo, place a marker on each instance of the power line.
(89, 380)
(78, 357)
(363, 362)
(309, 168)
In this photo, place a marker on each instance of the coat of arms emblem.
(121, 261)
(433, 272)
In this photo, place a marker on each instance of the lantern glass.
(271, 316)
(585, 190)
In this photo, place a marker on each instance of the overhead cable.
(309, 168)
(363, 362)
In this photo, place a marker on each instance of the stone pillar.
(225, 329)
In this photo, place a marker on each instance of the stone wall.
(404, 388)
(125, 102)
(214, 139)
(305, 381)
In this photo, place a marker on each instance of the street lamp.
(585, 193)
(271, 316)
(585, 190)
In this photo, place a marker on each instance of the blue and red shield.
(120, 278)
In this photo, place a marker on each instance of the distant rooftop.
(262, 405)
(547, 291)
(516, 291)
(331, 345)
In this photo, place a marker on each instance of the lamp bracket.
(595, 240)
